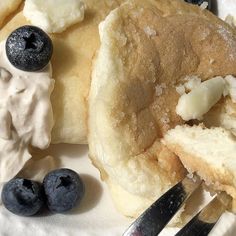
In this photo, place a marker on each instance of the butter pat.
(54, 16)
(200, 100)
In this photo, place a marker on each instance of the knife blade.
(157, 216)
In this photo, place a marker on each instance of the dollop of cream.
(54, 16)
(26, 116)
(36, 169)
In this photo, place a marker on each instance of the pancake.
(74, 50)
(6, 8)
(223, 114)
(147, 50)
(196, 147)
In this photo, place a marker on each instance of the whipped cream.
(26, 116)
(54, 16)
(36, 169)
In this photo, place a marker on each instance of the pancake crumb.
(159, 89)
(192, 82)
(211, 61)
(180, 89)
(204, 5)
(165, 119)
(149, 31)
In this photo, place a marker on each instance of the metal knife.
(157, 216)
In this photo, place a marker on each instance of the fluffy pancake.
(74, 50)
(196, 147)
(223, 114)
(147, 49)
(6, 8)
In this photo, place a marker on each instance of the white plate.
(96, 216)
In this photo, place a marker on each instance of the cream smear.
(26, 116)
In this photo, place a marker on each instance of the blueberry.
(64, 190)
(22, 196)
(29, 48)
(199, 2)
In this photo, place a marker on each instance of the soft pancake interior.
(147, 49)
(6, 9)
(72, 58)
(209, 153)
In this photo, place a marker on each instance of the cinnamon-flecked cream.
(26, 116)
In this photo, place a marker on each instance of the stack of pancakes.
(115, 88)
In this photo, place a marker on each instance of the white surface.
(225, 7)
(96, 216)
